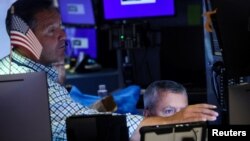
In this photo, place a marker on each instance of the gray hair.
(157, 87)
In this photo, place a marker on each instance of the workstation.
(122, 47)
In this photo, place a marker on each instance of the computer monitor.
(102, 127)
(193, 131)
(24, 107)
(78, 12)
(232, 26)
(128, 9)
(81, 40)
(239, 96)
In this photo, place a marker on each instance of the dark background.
(170, 47)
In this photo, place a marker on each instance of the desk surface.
(101, 73)
(89, 82)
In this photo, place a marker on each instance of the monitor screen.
(238, 96)
(81, 40)
(24, 107)
(77, 12)
(127, 9)
(232, 25)
(192, 131)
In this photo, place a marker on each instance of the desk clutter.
(123, 100)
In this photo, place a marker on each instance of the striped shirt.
(61, 105)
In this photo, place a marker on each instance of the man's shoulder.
(8, 66)
(4, 65)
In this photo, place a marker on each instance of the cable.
(195, 134)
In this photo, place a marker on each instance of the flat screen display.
(81, 40)
(77, 12)
(127, 9)
(232, 25)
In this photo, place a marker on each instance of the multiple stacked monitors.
(78, 16)
(128, 9)
(81, 12)
(77, 12)
(81, 40)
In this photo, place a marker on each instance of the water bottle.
(102, 91)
